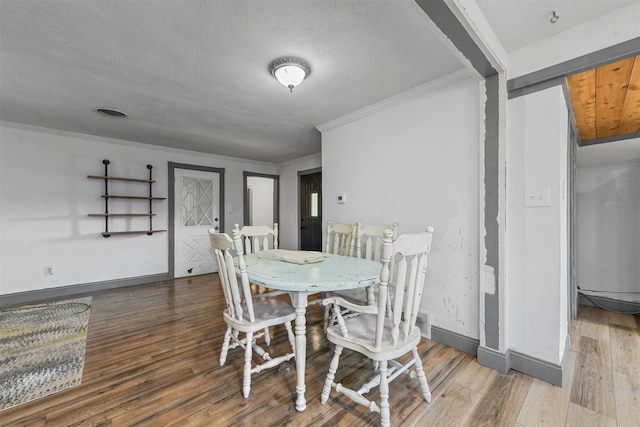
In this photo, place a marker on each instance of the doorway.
(261, 199)
(310, 208)
(196, 204)
(572, 220)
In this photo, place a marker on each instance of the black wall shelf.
(108, 196)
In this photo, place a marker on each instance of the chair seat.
(362, 330)
(267, 312)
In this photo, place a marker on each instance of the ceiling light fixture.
(289, 71)
(554, 17)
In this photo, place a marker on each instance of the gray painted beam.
(446, 21)
(491, 212)
(610, 139)
(577, 65)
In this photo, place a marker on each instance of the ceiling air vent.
(110, 113)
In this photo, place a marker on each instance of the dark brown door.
(311, 212)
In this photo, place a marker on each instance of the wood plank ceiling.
(606, 100)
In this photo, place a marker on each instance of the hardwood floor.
(152, 359)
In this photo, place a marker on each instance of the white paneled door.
(196, 210)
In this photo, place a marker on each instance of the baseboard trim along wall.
(72, 290)
(539, 369)
(455, 340)
(494, 359)
(536, 368)
(503, 362)
(609, 303)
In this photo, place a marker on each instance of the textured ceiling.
(193, 74)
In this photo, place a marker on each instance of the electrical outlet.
(424, 323)
(48, 270)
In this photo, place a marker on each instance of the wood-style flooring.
(152, 359)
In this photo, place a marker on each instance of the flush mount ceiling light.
(289, 71)
(110, 113)
(554, 17)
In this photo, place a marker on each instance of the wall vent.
(110, 113)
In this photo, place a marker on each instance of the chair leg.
(421, 376)
(267, 337)
(371, 295)
(327, 316)
(385, 416)
(225, 346)
(333, 367)
(246, 377)
(292, 337)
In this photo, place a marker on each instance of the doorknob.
(215, 219)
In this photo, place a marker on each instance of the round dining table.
(333, 273)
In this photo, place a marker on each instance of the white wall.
(537, 236)
(45, 198)
(608, 217)
(288, 227)
(416, 163)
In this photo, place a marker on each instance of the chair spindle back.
(341, 239)
(258, 238)
(235, 293)
(369, 240)
(404, 264)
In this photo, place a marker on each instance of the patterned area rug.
(42, 349)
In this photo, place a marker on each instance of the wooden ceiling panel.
(630, 119)
(611, 89)
(583, 99)
(606, 100)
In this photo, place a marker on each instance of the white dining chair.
(368, 245)
(379, 335)
(256, 239)
(341, 239)
(244, 314)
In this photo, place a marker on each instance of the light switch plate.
(537, 196)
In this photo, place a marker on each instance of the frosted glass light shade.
(290, 76)
(290, 72)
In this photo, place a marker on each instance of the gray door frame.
(171, 208)
(276, 195)
(300, 174)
